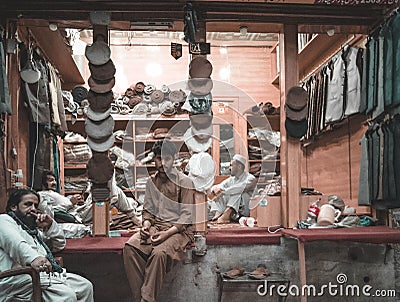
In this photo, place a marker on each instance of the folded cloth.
(260, 272)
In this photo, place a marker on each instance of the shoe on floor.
(234, 272)
(260, 272)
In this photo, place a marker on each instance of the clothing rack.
(327, 59)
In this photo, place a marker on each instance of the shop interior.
(258, 51)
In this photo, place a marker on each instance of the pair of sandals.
(261, 272)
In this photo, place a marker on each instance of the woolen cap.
(98, 116)
(139, 87)
(29, 73)
(100, 168)
(98, 53)
(296, 129)
(200, 67)
(157, 96)
(98, 87)
(200, 86)
(99, 129)
(100, 145)
(297, 98)
(202, 171)
(134, 100)
(102, 72)
(177, 96)
(200, 104)
(201, 120)
(79, 93)
(195, 145)
(296, 115)
(100, 102)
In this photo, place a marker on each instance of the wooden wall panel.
(332, 162)
(328, 168)
(357, 129)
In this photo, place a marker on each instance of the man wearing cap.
(168, 214)
(232, 195)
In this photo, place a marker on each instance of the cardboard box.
(269, 213)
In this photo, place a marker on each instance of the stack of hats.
(200, 85)
(198, 137)
(99, 124)
(296, 109)
(147, 99)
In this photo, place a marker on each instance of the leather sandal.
(260, 272)
(234, 272)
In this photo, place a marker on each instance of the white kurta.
(233, 194)
(18, 248)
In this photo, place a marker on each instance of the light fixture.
(53, 26)
(243, 30)
(330, 31)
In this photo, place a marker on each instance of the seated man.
(231, 197)
(166, 229)
(78, 207)
(23, 231)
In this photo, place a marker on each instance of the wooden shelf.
(75, 143)
(75, 166)
(264, 160)
(318, 50)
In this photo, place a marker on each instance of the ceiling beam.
(209, 11)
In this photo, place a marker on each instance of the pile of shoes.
(261, 272)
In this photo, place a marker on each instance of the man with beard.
(232, 196)
(167, 227)
(75, 204)
(23, 230)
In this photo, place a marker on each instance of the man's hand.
(77, 199)
(41, 264)
(145, 230)
(217, 191)
(43, 221)
(159, 237)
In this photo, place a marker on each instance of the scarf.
(35, 234)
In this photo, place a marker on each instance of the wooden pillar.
(290, 147)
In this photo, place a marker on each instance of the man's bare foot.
(216, 216)
(225, 217)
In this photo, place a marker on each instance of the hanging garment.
(37, 97)
(364, 81)
(374, 163)
(396, 58)
(364, 182)
(379, 77)
(55, 117)
(371, 75)
(5, 104)
(335, 94)
(388, 64)
(395, 127)
(353, 85)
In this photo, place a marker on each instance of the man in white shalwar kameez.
(232, 196)
(23, 231)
